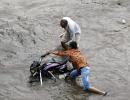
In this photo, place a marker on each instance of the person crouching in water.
(72, 32)
(82, 68)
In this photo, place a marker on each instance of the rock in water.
(123, 21)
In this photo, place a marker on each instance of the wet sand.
(28, 28)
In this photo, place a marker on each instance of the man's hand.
(45, 54)
(54, 52)
(61, 35)
(51, 51)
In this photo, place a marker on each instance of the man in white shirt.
(72, 32)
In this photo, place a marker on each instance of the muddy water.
(28, 28)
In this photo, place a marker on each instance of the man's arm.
(59, 53)
(61, 35)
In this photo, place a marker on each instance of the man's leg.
(85, 72)
(74, 74)
(85, 78)
(77, 38)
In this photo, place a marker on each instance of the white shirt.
(73, 30)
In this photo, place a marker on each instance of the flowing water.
(29, 28)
